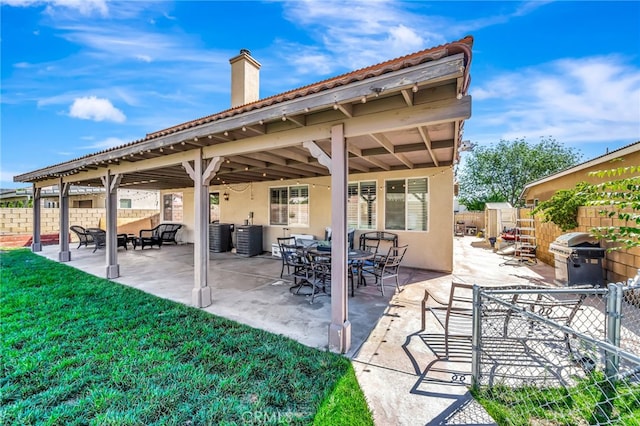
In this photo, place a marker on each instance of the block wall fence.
(19, 221)
(619, 264)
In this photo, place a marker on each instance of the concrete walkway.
(403, 380)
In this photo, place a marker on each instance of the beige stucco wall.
(545, 190)
(428, 250)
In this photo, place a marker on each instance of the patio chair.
(99, 237)
(282, 241)
(163, 233)
(84, 238)
(454, 315)
(319, 274)
(351, 233)
(298, 267)
(387, 266)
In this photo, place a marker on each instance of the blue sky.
(79, 76)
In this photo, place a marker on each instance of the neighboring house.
(82, 197)
(543, 189)
(372, 149)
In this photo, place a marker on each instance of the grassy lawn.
(77, 349)
(593, 401)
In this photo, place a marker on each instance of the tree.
(500, 172)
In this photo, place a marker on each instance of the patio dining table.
(355, 259)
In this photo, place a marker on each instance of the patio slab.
(403, 379)
(245, 289)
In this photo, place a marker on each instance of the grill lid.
(576, 239)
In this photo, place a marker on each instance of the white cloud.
(7, 176)
(97, 109)
(360, 35)
(85, 7)
(594, 99)
(110, 142)
(144, 58)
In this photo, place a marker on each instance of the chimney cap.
(245, 51)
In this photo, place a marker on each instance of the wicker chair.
(163, 233)
(84, 238)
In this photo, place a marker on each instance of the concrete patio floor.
(396, 363)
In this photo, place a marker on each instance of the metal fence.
(567, 356)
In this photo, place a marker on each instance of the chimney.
(245, 79)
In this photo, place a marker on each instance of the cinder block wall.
(619, 264)
(20, 220)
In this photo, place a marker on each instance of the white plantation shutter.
(299, 205)
(407, 204)
(394, 218)
(361, 205)
(367, 203)
(278, 206)
(417, 204)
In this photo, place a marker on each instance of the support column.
(64, 255)
(111, 183)
(340, 327)
(201, 173)
(36, 244)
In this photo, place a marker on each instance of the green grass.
(77, 349)
(593, 401)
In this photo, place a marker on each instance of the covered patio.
(391, 131)
(246, 290)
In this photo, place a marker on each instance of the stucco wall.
(429, 250)
(545, 190)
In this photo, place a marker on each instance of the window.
(406, 204)
(172, 207)
(361, 205)
(125, 203)
(289, 205)
(214, 207)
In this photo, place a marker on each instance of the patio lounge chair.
(163, 233)
(84, 238)
(99, 238)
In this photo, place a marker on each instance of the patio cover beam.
(423, 114)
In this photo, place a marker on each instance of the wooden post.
(64, 255)
(340, 327)
(111, 183)
(201, 293)
(36, 244)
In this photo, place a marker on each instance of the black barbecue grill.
(578, 259)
